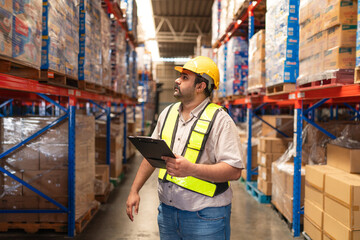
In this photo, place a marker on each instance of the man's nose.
(178, 81)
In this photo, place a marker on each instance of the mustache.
(176, 87)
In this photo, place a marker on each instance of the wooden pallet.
(29, 227)
(91, 87)
(84, 220)
(251, 188)
(234, 97)
(338, 78)
(102, 198)
(33, 227)
(282, 88)
(58, 79)
(256, 92)
(357, 75)
(18, 68)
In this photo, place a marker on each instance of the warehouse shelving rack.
(299, 100)
(12, 87)
(31, 92)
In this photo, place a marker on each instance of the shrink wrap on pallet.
(282, 42)
(43, 163)
(257, 74)
(72, 38)
(236, 66)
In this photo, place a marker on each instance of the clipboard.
(152, 150)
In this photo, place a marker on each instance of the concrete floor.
(249, 220)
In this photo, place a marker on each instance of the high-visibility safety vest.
(193, 148)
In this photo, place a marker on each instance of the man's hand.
(179, 166)
(132, 201)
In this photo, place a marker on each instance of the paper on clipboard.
(152, 150)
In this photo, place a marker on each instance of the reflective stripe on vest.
(193, 149)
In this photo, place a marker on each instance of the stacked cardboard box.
(331, 195)
(314, 199)
(257, 72)
(236, 66)
(282, 187)
(254, 156)
(116, 146)
(118, 58)
(20, 32)
(270, 149)
(327, 38)
(102, 180)
(282, 41)
(44, 164)
(131, 131)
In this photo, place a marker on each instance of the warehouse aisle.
(250, 220)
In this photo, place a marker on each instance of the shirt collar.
(196, 111)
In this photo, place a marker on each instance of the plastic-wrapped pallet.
(71, 38)
(221, 63)
(327, 39)
(118, 58)
(105, 49)
(282, 40)
(91, 70)
(215, 21)
(43, 163)
(236, 66)
(20, 31)
(257, 61)
(53, 46)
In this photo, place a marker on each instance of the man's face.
(184, 88)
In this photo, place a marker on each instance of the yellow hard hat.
(203, 66)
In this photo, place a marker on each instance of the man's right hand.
(132, 201)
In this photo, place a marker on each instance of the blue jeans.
(211, 223)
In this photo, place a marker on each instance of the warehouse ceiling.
(180, 24)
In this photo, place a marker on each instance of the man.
(195, 197)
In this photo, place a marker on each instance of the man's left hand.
(179, 166)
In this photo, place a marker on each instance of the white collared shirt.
(223, 145)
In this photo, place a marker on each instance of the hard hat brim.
(179, 69)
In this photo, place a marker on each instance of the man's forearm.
(220, 172)
(144, 172)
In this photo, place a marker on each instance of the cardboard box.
(265, 173)
(274, 145)
(53, 217)
(244, 175)
(312, 230)
(344, 188)
(313, 213)
(102, 178)
(264, 186)
(341, 36)
(346, 159)
(350, 217)
(25, 158)
(339, 58)
(6, 30)
(315, 175)
(336, 230)
(340, 12)
(10, 185)
(19, 202)
(53, 183)
(326, 237)
(56, 156)
(314, 196)
(284, 123)
(266, 159)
